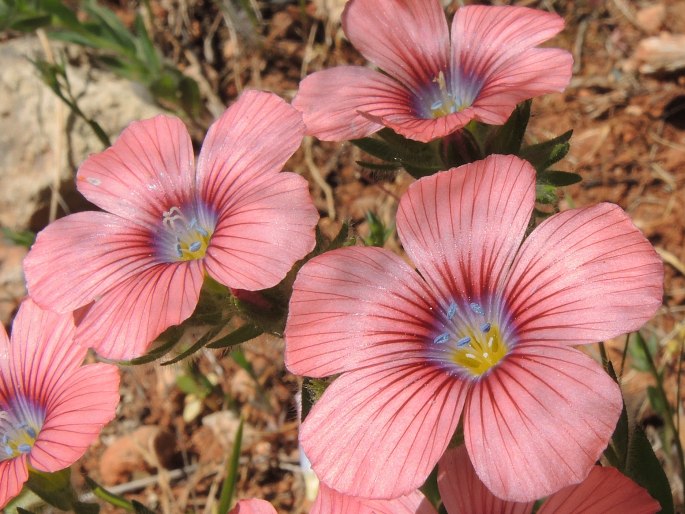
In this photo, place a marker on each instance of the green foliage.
(378, 232)
(19, 237)
(419, 159)
(130, 54)
(228, 487)
(56, 490)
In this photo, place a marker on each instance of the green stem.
(669, 414)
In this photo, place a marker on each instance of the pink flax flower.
(253, 506)
(604, 491)
(140, 265)
(482, 332)
(51, 407)
(434, 81)
(330, 501)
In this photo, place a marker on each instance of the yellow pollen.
(192, 239)
(478, 352)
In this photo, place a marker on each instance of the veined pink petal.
(253, 506)
(94, 251)
(462, 227)
(148, 170)
(408, 39)
(462, 492)
(411, 126)
(13, 474)
(539, 421)
(582, 276)
(42, 352)
(604, 491)
(356, 306)
(377, 432)
(333, 102)
(75, 414)
(535, 72)
(267, 228)
(486, 37)
(255, 136)
(330, 501)
(129, 316)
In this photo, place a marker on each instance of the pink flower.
(330, 501)
(483, 333)
(604, 491)
(142, 262)
(253, 506)
(51, 407)
(435, 82)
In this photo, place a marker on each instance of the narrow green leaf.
(145, 49)
(23, 511)
(111, 28)
(379, 166)
(189, 96)
(559, 178)
(155, 353)
(228, 487)
(108, 497)
(644, 468)
(30, 23)
(239, 335)
(200, 343)
(19, 237)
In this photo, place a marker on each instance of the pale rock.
(41, 141)
(651, 18)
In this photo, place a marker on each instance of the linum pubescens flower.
(482, 333)
(51, 407)
(141, 263)
(435, 81)
(604, 491)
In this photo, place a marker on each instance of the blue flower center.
(20, 424)
(469, 339)
(185, 237)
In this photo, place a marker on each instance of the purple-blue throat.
(469, 338)
(20, 423)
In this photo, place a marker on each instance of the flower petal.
(604, 491)
(255, 136)
(332, 102)
(462, 492)
(535, 72)
(484, 38)
(42, 353)
(582, 276)
(128, 317)
(410, 125)
(77, 411)
(93, 250)
(408, 39)
(539, 421)
(269, 227)
(13, 474)
(253, 506)
(331, 501)
(462, 227)
(381, 418)
(355, 306)
(148, 170)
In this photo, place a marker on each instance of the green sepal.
(508, 138)
(545, 194)
(558, 178)
(56, 490)
(418, 159)
(543, 155)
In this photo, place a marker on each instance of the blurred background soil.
(175, 426)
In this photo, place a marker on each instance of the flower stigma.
(189, 238)
(446, 103)
(469, 340)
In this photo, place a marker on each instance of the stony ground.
(167, 449)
